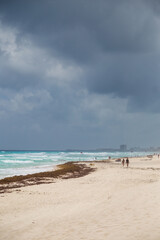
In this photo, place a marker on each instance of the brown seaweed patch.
(64, 171)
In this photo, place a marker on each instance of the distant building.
(123, 148)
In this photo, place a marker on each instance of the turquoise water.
(25, 162)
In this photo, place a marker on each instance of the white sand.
(112, 203)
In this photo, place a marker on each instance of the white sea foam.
(16, 161)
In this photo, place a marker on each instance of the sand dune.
(112, 203)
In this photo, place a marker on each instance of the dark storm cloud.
(105, 38)
(78, 29)
(83, 66)
(133, 77)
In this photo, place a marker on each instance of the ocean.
(26, 162)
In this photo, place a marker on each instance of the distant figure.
(127, 162)
(123, 162)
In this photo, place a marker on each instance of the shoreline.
(16, 163)
(64, 171)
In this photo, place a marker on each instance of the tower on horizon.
(123, 148)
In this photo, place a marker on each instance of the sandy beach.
(113, 203)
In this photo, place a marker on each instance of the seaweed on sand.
(64, 171)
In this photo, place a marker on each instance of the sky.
(79, 74)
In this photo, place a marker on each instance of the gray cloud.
(78, 67)
(128, 76)
(76, 27)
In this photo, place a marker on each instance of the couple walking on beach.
(127, 162)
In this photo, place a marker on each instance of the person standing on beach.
(127, 162)
(123, 162)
